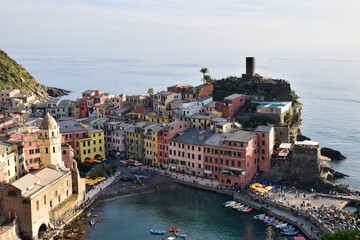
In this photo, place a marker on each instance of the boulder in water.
(332, 154)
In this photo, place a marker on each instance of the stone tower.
(50, 143)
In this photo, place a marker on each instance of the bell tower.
(50, 143)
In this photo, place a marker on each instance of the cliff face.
(14, 76)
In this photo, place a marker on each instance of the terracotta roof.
(139, 110)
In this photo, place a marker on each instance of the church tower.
(50, 143)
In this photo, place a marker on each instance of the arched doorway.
(42, 230)
(97, 156)
(228, 181)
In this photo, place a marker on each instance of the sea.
(328, 86)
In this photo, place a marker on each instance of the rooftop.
(193, 136)
(232, 96)
(200, 116)
(70, 125)
(181, 85)
(266, 129)
(32, 183)
(139, 110)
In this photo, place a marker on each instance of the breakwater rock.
(332, 154)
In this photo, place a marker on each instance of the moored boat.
(246, 210)
(259, 216)
(173, 229)
(290, 233)
(157, 232)
(180, 235)
(229, 203)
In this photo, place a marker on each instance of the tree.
(207, 79)
(341, 235)
(204, 71)
(151, 91)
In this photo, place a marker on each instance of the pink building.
(5, 122)
(232, 105)
(115, 138)
(266, 141)
(186, 152)
(119, 101)
(235, 158)
(31, 150)
(170, 130)
(67, 154)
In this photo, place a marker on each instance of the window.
(199, 149)
(199, 157)
(227, 162)
(64, 152)
(37, 205)
(84, 152)
(192, 156)
(232, 163)
(31, 152)
(44, 199)
(206, 158)
(239, 164)
(53, 149)
(46, 150)
(263, 143)
(100, 149)
(216, 160)
(211, 159)
(192, 147)
(31, 160)
(94, 149)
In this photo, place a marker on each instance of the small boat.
(157, 232)
(246, 210)
(181, 235)
(171, 238)
(264, 218)
(229, 203)
(92, 222)
(272, 223)
(281, 225)
(269, 220)
(278, 223)
(290, 233)
(259, 216)
(173, 229)
(238, 206)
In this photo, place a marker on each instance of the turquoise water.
(198, 213)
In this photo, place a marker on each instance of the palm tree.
(150, 91)
(207, 79)
(204, 71)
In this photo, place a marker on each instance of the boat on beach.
(157, 232)
(290, 233)
(246, 210)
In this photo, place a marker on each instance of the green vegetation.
(13, 75)
(84, 167)
(204, 71)
(207, 79)
(294, 96)
(255, 121)
(150, 91)
(342, 235)
(249, 106)
(103, 170)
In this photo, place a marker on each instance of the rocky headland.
(15, 76)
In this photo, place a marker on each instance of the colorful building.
(232, 104)
(200, 121)
(164, 98)
(164, 135)
(134, 141)
(90, 147)
(150, 139)
(72, 130)
(186, 151)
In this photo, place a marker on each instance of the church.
(43, 197)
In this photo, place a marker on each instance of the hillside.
(13, 75)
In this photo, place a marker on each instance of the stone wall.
(10, 231)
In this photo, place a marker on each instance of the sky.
(209, 28)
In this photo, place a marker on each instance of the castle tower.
(50, 143)
(250, 66)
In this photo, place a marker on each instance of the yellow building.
(159, 118)
(151, 143)
(134, 141)
(163, 98)
(101, 110)
(201, 121)
(93, 146)
(9, 162)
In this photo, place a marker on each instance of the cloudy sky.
(179, 26)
